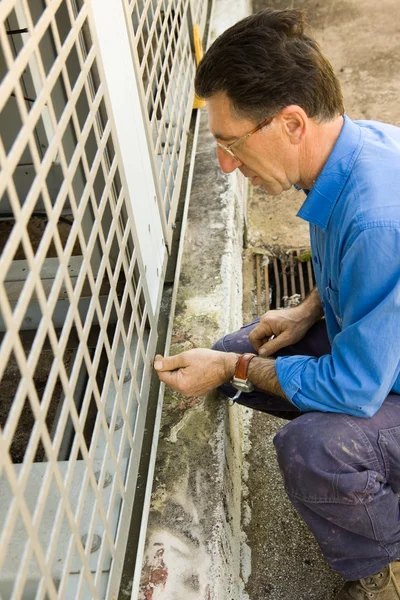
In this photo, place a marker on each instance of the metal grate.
(77, 329)
(283, 279)
(164, 62)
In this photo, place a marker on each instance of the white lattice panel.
(77, 327)
(164, 63)
(199, 13)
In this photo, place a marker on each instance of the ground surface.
(362, 40)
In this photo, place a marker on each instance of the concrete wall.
(193, 542)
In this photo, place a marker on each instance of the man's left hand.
(196, 372)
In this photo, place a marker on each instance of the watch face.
(244, 385)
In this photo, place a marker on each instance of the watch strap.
(242, 365)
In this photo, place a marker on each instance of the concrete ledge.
(193, 541)
(193, 546)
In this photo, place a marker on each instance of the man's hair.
(266, 62)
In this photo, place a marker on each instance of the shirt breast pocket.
(332, 297)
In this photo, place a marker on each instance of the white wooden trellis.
(81, 269)
(89, 184)
(160, 36)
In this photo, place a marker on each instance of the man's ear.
(294, 121)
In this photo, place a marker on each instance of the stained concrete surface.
(362, 40)
(192, 548)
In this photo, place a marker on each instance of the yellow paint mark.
(346, 450)
(198, 50)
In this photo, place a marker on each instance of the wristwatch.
(240, 380)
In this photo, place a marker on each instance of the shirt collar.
(321, 200)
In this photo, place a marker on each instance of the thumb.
(158, 362)
(169, 363)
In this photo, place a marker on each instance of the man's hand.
(196, 372)
(288, 326)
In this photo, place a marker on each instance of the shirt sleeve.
(365, 360)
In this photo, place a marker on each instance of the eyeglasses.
(228, 149)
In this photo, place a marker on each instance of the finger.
(260, 334)
(158, 361)
(169, 378)
(169, 363)
(173, 380)
(273, 345)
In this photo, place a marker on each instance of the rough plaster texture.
(193, 548)
(227, 13)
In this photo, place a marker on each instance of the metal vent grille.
(77, 331)
(165, 65)
(283, 279)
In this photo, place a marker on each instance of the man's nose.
(227, 163)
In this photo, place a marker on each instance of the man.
(276, 111)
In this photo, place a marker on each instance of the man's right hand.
(288, 326)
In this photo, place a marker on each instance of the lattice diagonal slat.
(160, 39)
(76, 327)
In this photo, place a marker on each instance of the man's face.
(267, 158)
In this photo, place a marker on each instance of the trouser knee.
(323, 457)
(238, 341)
(219, 345)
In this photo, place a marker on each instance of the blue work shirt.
(354, 215)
